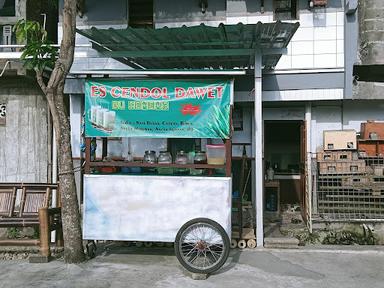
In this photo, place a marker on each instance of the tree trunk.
(73, 244)
(54, 91)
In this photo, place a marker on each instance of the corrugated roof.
(196, 47)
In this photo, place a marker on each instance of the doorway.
(284, 161)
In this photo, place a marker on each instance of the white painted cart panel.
(152, 208)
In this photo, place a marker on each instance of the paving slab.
(158, 267)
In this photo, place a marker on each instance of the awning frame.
(196, 47)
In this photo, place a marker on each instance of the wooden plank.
(87, 169)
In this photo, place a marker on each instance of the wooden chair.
(7, 201)
(33, 211)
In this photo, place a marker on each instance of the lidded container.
(165, 157)
(150, 156)
(216, 154)
(200, 157)
(181, 158)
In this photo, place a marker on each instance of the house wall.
(24, 138)
(342, 115)
(20, 13)
(318, 43)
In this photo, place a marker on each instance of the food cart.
(181, 199)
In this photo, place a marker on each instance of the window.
(237, 119)
(285, 9)
(7, 8)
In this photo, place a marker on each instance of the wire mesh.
(343, 192)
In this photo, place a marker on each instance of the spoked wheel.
(202, 246)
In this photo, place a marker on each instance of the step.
(271, 228)
(281, 242)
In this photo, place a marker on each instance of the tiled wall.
(318, 43)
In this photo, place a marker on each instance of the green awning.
(197, 47)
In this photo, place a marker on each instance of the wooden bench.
(20, 206)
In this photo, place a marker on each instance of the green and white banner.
(158, 108)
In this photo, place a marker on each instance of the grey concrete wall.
(23, 140)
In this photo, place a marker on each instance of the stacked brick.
(350, 180)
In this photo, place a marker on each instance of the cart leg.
(91, 249)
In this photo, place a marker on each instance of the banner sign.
(157, 108)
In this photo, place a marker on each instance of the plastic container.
(108, 170)
(130, 170)
(216, 154)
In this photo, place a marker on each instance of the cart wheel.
(242, 244)
(233, 243)
(202, 246)
(91, 249)
(251, 243)
(147, 244)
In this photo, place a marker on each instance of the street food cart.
(161, 197)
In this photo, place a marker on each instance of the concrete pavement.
(120, 266)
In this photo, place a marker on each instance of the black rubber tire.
(226, 246)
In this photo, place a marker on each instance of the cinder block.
(336, 156)
(378, 170)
